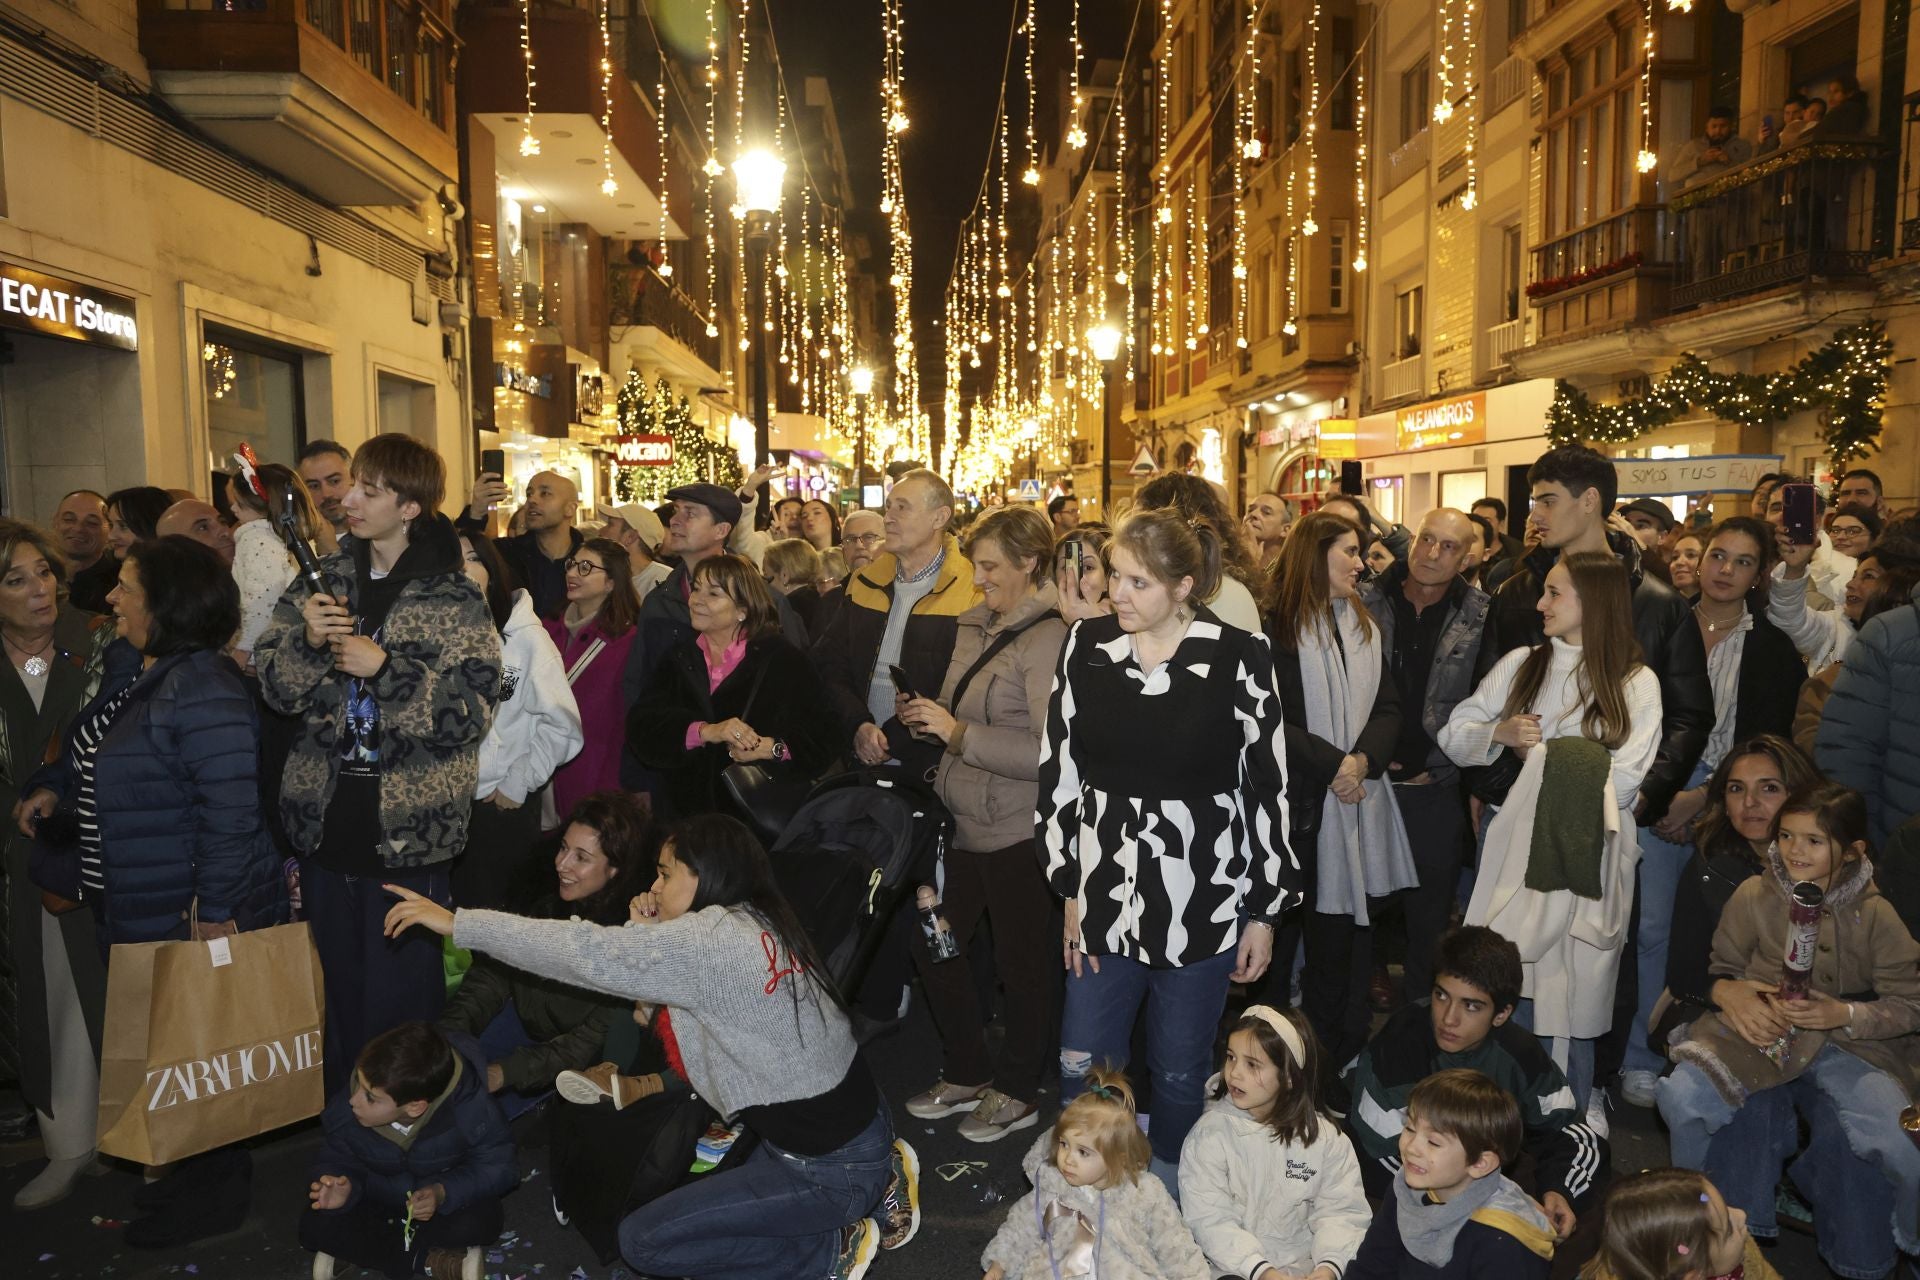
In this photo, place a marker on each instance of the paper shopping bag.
(207, 1043)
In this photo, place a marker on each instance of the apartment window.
(405, 406)
(1416, 105)
(1409, 320)
(1512, 281)
(1340, 105)
(1260, 296)
(1296, 94)
(1591, 139)
(1337, 268)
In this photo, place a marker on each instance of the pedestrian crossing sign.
(1029, 490)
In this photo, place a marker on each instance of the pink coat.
(601, 693)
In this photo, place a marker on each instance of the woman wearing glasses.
(595, 636)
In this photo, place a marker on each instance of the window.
(1415, 104)
(1296, 94)
(1592, 139)
(1337, 267)
(405, 406)
(1409, 320)
(1340, 104)
(1461, 489)
(1512, 281)
(253, 394)
(1260, 297)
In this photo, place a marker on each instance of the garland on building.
(658, 412)
(1847, 378)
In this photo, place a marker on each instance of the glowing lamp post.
(1104, 341)
(758, 178)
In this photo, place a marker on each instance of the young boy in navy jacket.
(1452, 1216)
(416, 1159)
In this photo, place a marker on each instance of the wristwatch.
(780, 751)
(1260, 918)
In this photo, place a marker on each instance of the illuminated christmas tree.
(658, 412)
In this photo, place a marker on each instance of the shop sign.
(1274, 435)
(643, 451)
(1443, 423)
(1676, 477)
(1339, 438)
(514, 378)
(63, 309)
(589, 396)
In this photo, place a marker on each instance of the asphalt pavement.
(966, 1190)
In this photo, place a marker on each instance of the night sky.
(955, 50)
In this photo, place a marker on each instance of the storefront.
(1454, 451)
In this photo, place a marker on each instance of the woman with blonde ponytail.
(1162, 818)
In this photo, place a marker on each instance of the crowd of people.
(1628, 798)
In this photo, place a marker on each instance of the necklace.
(1720, 624)
(36, 664)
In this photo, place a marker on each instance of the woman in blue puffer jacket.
(162, 767)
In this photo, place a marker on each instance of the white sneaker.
(1638, 1088)
(53, 1183)
(322, 1266)
(1597, 1112)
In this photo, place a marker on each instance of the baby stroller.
(849, 862)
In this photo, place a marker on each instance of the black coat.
(1771, 673)
(1669, 641)
(787, 706)
(1312, 761)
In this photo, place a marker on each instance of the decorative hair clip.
(1683, 1250)
(1106, 1093)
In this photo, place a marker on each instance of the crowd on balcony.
(1204, 776)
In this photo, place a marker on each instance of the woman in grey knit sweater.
(764, 1038)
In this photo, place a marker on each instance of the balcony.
(1502, 341)
(1606, 275)
(1508, 82)
(662, 325)
(350, 99)
(1407, 159)
(1793, 217)
(1403, 379)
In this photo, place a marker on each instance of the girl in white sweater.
(1587, 682)
(1270, 1186)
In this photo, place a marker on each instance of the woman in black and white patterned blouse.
(1163, 818)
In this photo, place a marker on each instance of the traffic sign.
(1029, 490)
(1143, 463)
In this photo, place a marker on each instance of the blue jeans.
(779, 1214)
(502, 1036)
(1183, 1012)
(1573, 1057)
(1661, 866)
(1860, 1206)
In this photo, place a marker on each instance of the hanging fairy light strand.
(1308, 226)
(666, 145)
(529, 145)
(1031, 174)
(1469, 87)
(1647, 160)
(1246, 147)
(1077, 135)
(711, 170)
(1360, 153)
(1443, 67)
(608, 184)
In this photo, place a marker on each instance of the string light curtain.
(608, 184)
(529, 145)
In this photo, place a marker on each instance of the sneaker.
(454, 1264)
(1597, 1113)
(713, 1145)
(322, 1266)
(1791, 1209)
(858, 1244)
(996, 1116)
(900, 1204)
(1637, 1088)
(590, 1084)
(944, 1099)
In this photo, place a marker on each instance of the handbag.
(766, 802)
(53, 861)
(207, 1043)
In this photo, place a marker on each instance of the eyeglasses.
(584, 568)
(865, 539)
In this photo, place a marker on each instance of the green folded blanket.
(1569, 824)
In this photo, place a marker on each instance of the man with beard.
(328, 470)
(539, 556)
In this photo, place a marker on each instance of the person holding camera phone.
(1797, 508)
(1080, 573)
(989, 717)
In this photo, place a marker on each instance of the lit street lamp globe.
(758, 178)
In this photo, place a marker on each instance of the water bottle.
(941, 944)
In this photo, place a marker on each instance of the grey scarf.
(1363, 849)
(1429, 1230)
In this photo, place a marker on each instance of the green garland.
(1847, 377)
(695, 457)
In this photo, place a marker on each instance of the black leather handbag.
(764, 802)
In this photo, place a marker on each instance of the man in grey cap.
(1651, 519)
(635, 527)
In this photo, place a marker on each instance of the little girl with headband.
(1095, 1211)
(1270, 1186)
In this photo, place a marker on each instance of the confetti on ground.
(46, 1257)
(109, 1223)
(193, 1268)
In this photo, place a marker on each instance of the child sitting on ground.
(1094, 1209)
(1851, 1037)
(415, 1160)
(1270, 1186)
(1452, 1215)
(1671, 1224)
(1467, 1022)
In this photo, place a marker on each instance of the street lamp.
(860, 377)
(758, 178)
(1104, 341)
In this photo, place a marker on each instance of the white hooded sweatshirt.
(536, 727)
